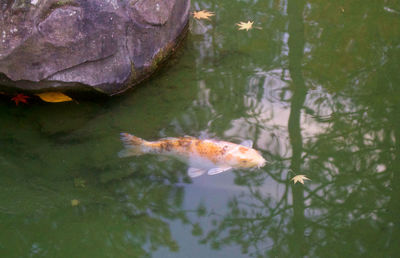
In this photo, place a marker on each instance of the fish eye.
(243, 161)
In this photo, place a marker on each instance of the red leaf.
(20, 98)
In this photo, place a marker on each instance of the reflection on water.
(315, 89)
(349, 150)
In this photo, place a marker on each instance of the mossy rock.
(105, 46)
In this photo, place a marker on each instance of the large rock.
(106, 45)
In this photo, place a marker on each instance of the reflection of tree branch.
(356, 127)
(296, 48)
(314, 191)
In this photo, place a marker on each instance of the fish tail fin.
(133, 145)
(129, 140)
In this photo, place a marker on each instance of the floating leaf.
(202, 14)
(299, 178)
(245, 25)
(20, 98)
(74, 202)
(54, 97)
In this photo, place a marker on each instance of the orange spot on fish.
(208, 150)
(229, 157)
(243, 150)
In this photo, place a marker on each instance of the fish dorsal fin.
(203, 135)
(195, 172)
(218, 170)
(167, 139)
(247, 143)
(163, 158)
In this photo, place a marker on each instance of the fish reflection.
(209, 155)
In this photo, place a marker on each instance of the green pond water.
(315, 85)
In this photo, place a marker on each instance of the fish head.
(248, 158)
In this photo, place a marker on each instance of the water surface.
(316, 88)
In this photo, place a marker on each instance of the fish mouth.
(262, 164)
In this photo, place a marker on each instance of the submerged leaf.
(74, 202)
(202, 14)
(299, 178)
(79, 182)
(54, 97)
(20, 98)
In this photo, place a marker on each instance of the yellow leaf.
(299, 178)
(53, 97)
(245, 25)
(74, 202)
(202, 15)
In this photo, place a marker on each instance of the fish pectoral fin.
(247, 143)
(218, 170)
(195, 172)
(163, 158)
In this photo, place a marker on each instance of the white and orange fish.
(202, 155)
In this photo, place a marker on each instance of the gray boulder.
(105, 45)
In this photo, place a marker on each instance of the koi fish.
(202, 155)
